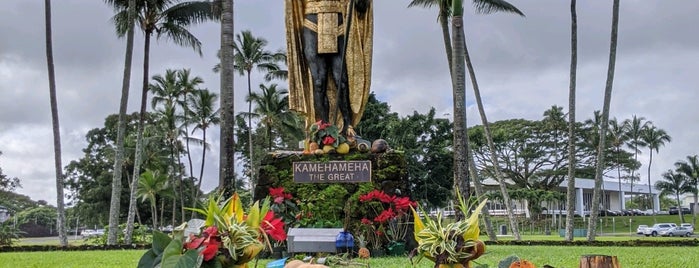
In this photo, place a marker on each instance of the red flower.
(402, 203)
(276, 192)
(366, 221)
(211, 248)
(328, 140)
(274, 227)
(385, 216)
(279, 199)
(288, 196)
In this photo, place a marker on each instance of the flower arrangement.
(388, 217)
(226, 238)
(455, 243)
(324, 133)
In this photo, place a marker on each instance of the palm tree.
(272, 108)
(202, 107)
(617, 135)
(675, 184)
(654, 138)
(634, 128)
(250, 53)
(570, 189)
(151, 184)
(226, 176)
(690, 169)
(60, 222)
(166, 18)
(592, 224)
(486, 7)
(121, 127)
(188, 85)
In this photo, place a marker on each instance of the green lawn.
(540, 255)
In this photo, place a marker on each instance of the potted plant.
(452, 244)
(226, 238)
(388, 215)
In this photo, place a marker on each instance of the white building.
(4, 214)
(613, 196)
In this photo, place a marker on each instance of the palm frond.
(493, 6)
(191, 12)
(180, 36)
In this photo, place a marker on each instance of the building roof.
(590, 184)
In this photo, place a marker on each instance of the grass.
(540, 255)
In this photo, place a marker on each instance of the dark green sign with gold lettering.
(332, 171)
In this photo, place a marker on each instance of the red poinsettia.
(274, 227)
(209, 243)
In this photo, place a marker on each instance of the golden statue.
(329, 75)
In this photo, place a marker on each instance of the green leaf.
(160, 242)
(173, 258)
(148, 259)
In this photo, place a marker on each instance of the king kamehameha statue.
(329, 58)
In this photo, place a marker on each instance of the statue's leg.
(340, 76)
(319, 74)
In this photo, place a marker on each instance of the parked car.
(676, 231)
(641, 228)
(91, 233)
(657, 228)
(688, 226)
(675, 211)
(607, 212)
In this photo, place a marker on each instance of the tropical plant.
(634, 130)
(654, 138)
(9, 233)
(250, 53)
(164, 18)
(570, 187)
(272, 109)
(449, 243)
(388, 214)
(284, 205)
(202, 108)
(690, 169)
(617, 137)
(591, 228)
(226, 238)
(151, 185)
(58, 164)
(675, 184)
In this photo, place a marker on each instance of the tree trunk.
(598, 261)
(618, 172)
(201, 172)
(461, 181)
(123, 106)
(679, 207)
(491, 146)
(570, 193)
(650, 186)
(114, 207)
(61, 217)
(226, 181)
(444, 22)
(592, 224)
(252, 162)
(473, 172)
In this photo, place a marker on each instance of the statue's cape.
(357, 60)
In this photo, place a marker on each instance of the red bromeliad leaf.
(194, 242)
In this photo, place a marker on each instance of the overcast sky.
(522, 66)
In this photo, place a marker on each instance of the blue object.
(277, 263)
(344, 241)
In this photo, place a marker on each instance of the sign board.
(332, 171)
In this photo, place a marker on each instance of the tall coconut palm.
(60, 220)
(446, 8)
(121, 127)
(570, 187)
(634, 129)
(226, 176)
(188, 85)
(690, 169)
(676, 184)
(202, 108)
(617, 135)
(165, 18)
(592, 224)
(272, 109)
(250, 53)
(654, 138)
